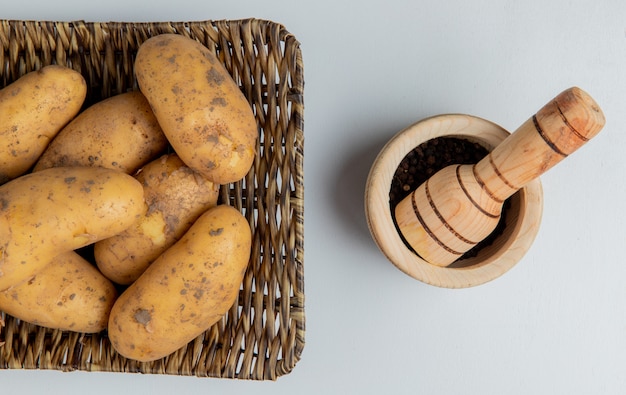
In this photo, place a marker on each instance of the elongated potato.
(176, 196)
(204, 115)
(60, 209)
(33, 110)
(186, 290)
(68, 294)
(119, 133)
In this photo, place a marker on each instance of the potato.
(201, 109)
(60, 209)
(68, 294)
(33, 110)
(176, 196)
(119, 133)
(186, 290)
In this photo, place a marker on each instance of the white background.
(555, 323)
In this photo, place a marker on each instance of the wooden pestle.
(461, 204)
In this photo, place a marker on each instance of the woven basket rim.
(279, 339)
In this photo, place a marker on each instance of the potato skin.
(176, 196)
(60, 209)
(186, 290)
(33, 109)
(202, 111)
(68, 294)
(120, 132)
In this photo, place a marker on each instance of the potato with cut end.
(201, 109)
(68, 294)
(33, 109)
(119, 133)
(176, 196)
(60, 209)
(186, 290)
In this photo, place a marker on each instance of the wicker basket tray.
(262, 335)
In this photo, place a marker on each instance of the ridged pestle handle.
(557, 130)
(461, 204)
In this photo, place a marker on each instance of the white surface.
(554, 324)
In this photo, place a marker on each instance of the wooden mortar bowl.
(522, 218)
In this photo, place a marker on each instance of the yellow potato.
(68, 294)
(201, 109)
(60, 209)
(186, 290)
(176, 196)
(33, 110)
(119, 133)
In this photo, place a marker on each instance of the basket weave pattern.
(262, 335)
